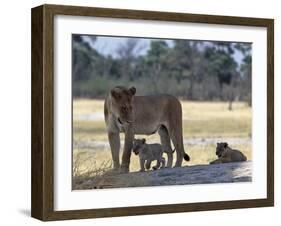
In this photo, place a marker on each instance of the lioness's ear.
(115, 94)
(132, 91)
(143, 140)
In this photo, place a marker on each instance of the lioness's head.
(121, 104)
(221, 147)
(138, 145)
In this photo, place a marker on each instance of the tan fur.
(148, 153)
(125, 112)
(226, 154)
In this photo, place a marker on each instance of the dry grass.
(85, 106)
(200, 154)
(207, 110)
(205, 119)
(200, 120)
(87, 164)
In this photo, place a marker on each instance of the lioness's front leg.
(129, 137)
(114, 141)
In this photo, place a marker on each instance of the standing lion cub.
(226, 154)
(148, 153)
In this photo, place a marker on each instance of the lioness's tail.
(186, 157)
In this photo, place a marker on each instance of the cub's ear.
(143, 140)
(225, 145)
(115, 94)
(132, 91)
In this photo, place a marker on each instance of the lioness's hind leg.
(176, 136)
(166, 144)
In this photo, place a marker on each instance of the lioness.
(148, 153)
(226, 154)
(125, 112)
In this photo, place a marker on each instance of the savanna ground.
(204, 124)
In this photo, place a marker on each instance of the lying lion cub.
(226, 154)
(148, 153)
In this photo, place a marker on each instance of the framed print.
(141, 112)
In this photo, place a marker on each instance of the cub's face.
(138, 145)
(122, 103)
(221, 147)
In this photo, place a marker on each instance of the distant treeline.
(193, 70)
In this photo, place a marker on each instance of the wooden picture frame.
(42, 203)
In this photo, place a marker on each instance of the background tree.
(246, 71)
(222, 64)
(127, 53)
(193, 70)
(156, 65)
